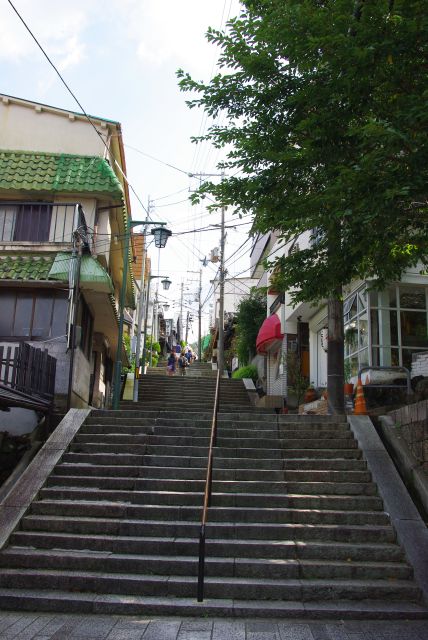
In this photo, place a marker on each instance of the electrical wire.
(80, 105)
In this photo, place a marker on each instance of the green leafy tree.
(251, 313)
(326, 133)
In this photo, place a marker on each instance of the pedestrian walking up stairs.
(296, 527)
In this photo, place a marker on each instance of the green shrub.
(250, 371)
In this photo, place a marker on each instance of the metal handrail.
(207, 493)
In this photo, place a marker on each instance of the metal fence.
(28, 370)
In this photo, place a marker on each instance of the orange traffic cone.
(360, 408)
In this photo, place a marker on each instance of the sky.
(120, 59)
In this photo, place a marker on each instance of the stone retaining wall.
(413, 422)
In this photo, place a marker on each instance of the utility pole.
(141, 308)
(74, 283)
(200, 316)
(220, 342)
(181, 310)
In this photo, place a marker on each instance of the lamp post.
(161, 236)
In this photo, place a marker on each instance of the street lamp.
(161, 236)
(166, 283)
(118, 364)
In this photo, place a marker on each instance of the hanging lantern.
(166, 307)
(161, 235)
(166, 282)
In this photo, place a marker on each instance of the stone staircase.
(195, 370)
(296, 527)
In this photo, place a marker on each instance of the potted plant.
(351, 337)
(347, 370)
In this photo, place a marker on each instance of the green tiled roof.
(33, 171)
(25, 267)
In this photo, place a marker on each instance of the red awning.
(269, 333)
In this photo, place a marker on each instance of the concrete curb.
(18, 500)
(409, 526)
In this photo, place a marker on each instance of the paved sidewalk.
(46, 626)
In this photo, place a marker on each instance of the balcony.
(41, 222)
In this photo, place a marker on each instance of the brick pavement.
(31, 626)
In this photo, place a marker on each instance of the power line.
(78, 102)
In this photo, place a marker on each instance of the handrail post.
(201, 564)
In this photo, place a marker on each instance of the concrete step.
(182, 473)
(84, 602)
(184, 586)
(244, 531)
(219, 486)
(17, 557)
(247, 463)
(217, 514)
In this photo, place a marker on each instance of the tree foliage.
(250, 316)
(326, 132)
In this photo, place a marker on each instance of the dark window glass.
(86, 322)
(7, 306)
(394, 327)
(59, 318)
(23, 314)
(407, 357)
(42, 316)
(414, 329)
(375, 326)
(32, 223)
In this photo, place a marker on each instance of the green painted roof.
(90, 270)
(25, 267)
(34, 171)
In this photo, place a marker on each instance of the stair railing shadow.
(207, 492)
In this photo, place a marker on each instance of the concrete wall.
(51, 131)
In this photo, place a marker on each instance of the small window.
(7, 303)
(86, 322)
(23, 315)
(42, 315)
(59, 317)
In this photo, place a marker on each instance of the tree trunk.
(335, 373)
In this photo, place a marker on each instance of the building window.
(86, 321)
(397, 329)
(32, 315)
(356, 328)
(25, 222)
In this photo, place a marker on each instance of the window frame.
(56, 294)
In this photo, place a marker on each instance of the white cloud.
(58, 26)
(168, 31)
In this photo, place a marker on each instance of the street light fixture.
(166, 283)
(162, 237)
